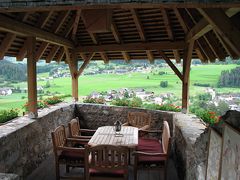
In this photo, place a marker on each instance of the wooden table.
(106, 135)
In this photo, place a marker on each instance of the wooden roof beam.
(22, 52)
(60, 55)
(44, 17)
(52, 53)
(203, 26)
(75, 24)
(59, 21)
(172, 66)
(167, 23)
(177, 56)
(138, 24)
(150, 56)
(6, 43)
(180, 19)
(41, 50)
(126, 56)
(223, 25)
(104, 57)
(9, 25)
(144, 46)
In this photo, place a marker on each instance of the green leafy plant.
(207, 116)
(6, 115)
(53, 100)
(120, 102)
(163, 107)
(135, 102)
(40, 104)
(99, 100)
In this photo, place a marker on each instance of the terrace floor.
(46, 171)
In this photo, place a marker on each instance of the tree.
(164, 84)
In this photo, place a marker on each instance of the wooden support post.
(73, 66)
(186, 72)
(74, 77)
(32, 77)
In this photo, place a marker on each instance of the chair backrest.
(165, 136)
(107, 158)
(74, 127)
(58, 138)
(139, 119)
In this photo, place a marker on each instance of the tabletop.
(106, 135)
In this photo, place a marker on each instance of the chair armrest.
(87, 130)
(149, 154)
(77, 140)
(82, 137)
(144, 127)
(125, 124)
(71, 149)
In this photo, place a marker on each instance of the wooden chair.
(152, 153)
(141, 120)
(76, 132)
(64, 152)
(106, 162)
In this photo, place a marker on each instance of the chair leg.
(135, 172)
(67, 168)
(57, 171)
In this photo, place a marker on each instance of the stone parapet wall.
(25, 143)
(93, 116)
(190, 146)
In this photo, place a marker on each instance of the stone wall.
(25, 143)
(93, 116)
(190, 146)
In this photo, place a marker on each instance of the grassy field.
(207, 74)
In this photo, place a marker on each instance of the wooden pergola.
(73, 31)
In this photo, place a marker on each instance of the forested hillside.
(12, 71)
(230, 78)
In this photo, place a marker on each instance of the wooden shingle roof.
(146, 30)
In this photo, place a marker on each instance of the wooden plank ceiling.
(141, 33)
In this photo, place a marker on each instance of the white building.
(5, 91)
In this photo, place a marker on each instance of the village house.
(5, 91)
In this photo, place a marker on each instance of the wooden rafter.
(185, 23)
(22, 52)
(173, 67)
(52, 53)
(104, 57)
(167, 23)
(41, 50)
(118, 39)
(115, 32)
(9, 25)
(60, 55)
(138, 24)
(6, 43)
(144, 46)
(86, 59)
(180, 19)
(59, 21)
(223, 25)
(177, 56)
(75, 24)
(126, 56)
(203, 26)
(44, 19)
(150, 56)
(226, 46)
